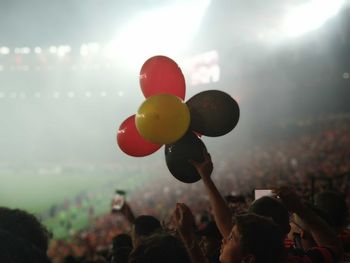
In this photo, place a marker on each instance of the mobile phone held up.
(258, 193)
(118, 200)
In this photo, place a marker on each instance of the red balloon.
(160, 74)
(131, 142)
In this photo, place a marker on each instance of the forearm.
(321, 232)
(222, 213)
(128, 213)
(130, 217)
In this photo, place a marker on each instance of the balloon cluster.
(165, 119)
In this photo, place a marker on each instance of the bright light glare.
(4, 50)
(63, 50)
(25, 50)
(310, 16)
(37, 50)
(166, 31)
(53, 49)
(84, 50)
(89, 49)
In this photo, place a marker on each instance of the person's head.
(253, 239)
(121, 255)
(14, 249)
(272, 207)
(122, 247)
(335, 206)
(122, 240)
(24, 225)
(159, 248)
(144, 226)
(236, 203)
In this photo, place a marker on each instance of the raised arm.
(222, 213)
(128, 213)
(321, 232)
(184, 222)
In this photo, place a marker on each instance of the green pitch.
(37, 193)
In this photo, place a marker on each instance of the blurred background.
(69, 75)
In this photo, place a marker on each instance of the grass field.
(36, 193)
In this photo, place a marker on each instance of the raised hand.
(183, 219)
(204, 168)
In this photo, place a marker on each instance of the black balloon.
(178, 154)
(213, 113)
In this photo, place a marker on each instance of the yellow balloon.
(162, 119)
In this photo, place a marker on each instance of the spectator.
(335, 206)
(274, 208)
(14, 249)
(144, 226)
(159, 248)
(253, 239)
(329, 245)
(24, 225)
(299, 233)
(210, 241)
(185, 226)
(122, 247)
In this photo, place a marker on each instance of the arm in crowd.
(321, 232)
(184, 222)
(222, 213)
(128, 213)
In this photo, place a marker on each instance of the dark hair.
(14, 249)
(122, 247)
(160, 248)
(334, 205)
(210, 230)
(146, 225)
(321, 213)
(122, 240)
(235, 199)
(272, 207)
(24, 225)
(121, 255)
(261, 237)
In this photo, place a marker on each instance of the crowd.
(217, 218)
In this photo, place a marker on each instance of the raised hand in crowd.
(127, 212)
(321, 232)
(221, 211)
(185, 226)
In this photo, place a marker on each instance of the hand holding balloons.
(163, 118)
(179, 154)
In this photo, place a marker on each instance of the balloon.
(198, 134)
(160, 74)
(162, 119)
(131, 142)
(213, 113)
(189, 147)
